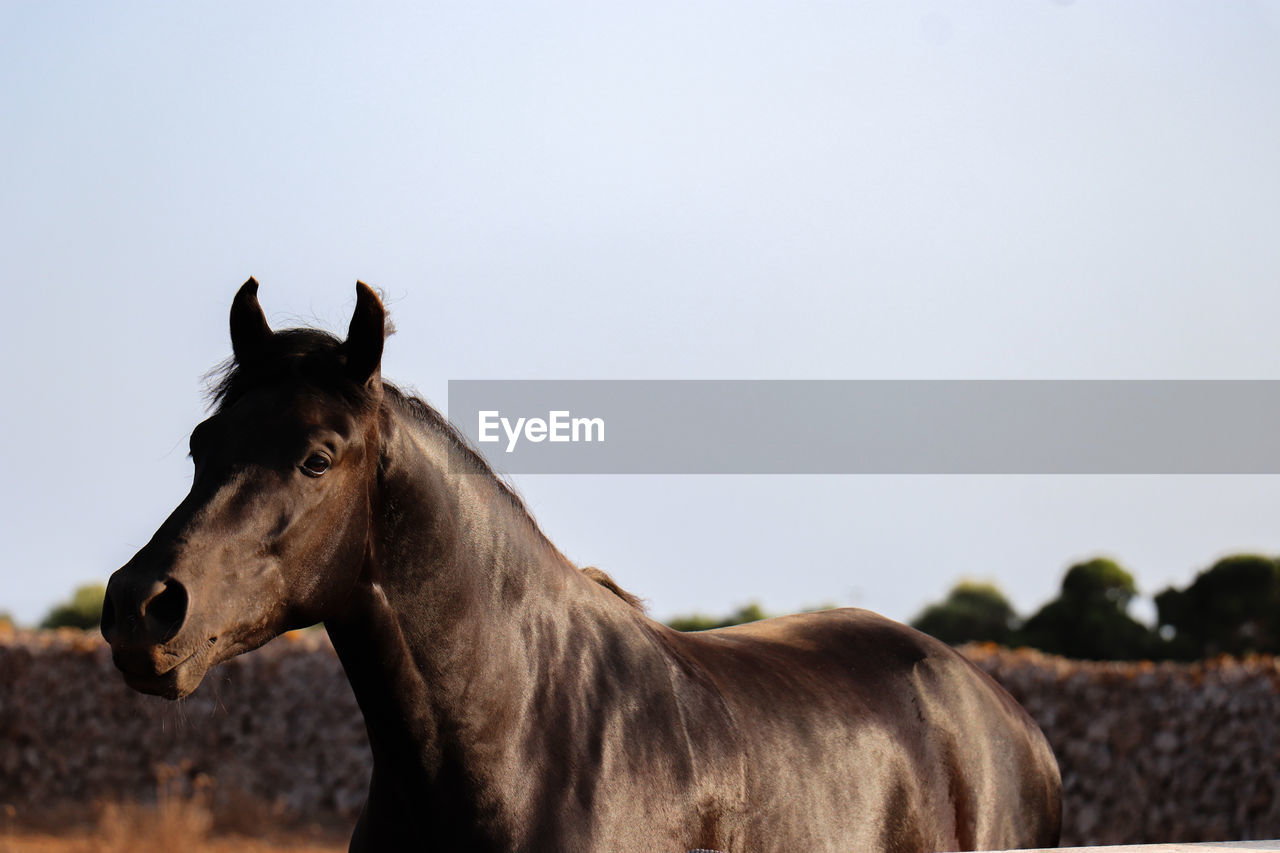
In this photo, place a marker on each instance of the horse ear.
(363, 345)
(249, 330)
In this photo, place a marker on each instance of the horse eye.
(316, 464)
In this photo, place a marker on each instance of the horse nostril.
(166, 611)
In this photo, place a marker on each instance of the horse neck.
(444, 523)
(436, 637)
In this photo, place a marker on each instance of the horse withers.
(516, 703)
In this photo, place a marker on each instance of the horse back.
(887, 739)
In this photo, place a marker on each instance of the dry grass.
(179, 821)
(81, 843)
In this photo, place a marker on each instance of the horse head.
(275, 530)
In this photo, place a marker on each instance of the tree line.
(1231, 608)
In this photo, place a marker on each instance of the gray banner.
(871, 427)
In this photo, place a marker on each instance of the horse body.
(514, 703)
(892, 740)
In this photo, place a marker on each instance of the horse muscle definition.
(515, 703)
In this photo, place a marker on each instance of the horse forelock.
(301, 357)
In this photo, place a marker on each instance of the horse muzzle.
(142, 619)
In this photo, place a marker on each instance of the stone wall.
(1155, 752)
(272, 737)
(1148, 752)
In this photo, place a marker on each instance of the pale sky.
(730, 190)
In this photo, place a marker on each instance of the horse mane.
(424, 413)
(427, 414)
(601, 577)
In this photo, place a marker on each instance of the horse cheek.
(322, 580)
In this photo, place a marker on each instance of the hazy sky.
(669, 190)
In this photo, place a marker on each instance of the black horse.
(516, 703)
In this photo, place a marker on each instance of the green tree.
(701, 622)
(1089, 619)
(971, 612)
(1233, 607)
(84, 610)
